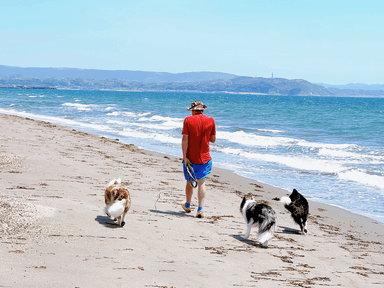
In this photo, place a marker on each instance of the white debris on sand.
(20, 219)
(10, 163)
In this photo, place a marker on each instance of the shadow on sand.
(107, 222)
(287, 230)
(248, 242)
(172, 213)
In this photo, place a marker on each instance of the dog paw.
(265, 244)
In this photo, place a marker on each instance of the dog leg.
(119, 220)
(249, 227)
(123, 219)
(106, 210)
(299, 221)
(265, 244)
(305, 226)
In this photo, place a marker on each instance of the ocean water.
(331, 149)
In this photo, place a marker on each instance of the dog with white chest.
(258, 215)
(117, 201)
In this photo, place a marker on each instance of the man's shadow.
(172, 213)
(107, 222)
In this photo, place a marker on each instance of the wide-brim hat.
(197, 106)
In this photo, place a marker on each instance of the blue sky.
(333, 42)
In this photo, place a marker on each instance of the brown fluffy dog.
(117, 201)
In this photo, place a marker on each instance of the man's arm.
(184, 147)
(213, 132)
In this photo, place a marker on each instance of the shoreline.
(333, 210)
(53, 179)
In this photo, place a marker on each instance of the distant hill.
(355, 86)
(140, 76)
(259, 85)
(207, 82)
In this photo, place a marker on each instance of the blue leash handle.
(191, 175)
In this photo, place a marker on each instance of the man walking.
(198, 131)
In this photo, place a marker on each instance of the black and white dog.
(298, 206)
(260, 215)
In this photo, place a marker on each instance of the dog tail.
(116, 209)
(264, 237)
(267, 226)
(285, 200)
(114, 181)
(269, 220)
(266, 230)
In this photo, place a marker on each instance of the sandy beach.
(53, 232)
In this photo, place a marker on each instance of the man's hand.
(186, 161)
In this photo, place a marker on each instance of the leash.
(191, 175)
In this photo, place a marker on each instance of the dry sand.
(53, 232)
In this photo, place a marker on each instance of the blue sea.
(330, 149)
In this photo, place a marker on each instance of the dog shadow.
(248, 241)
(172, 213)
(107, 222)
(287, 230)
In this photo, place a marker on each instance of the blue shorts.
(201, 170)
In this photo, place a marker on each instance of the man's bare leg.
(201, 191)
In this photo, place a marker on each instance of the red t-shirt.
(199, 129)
